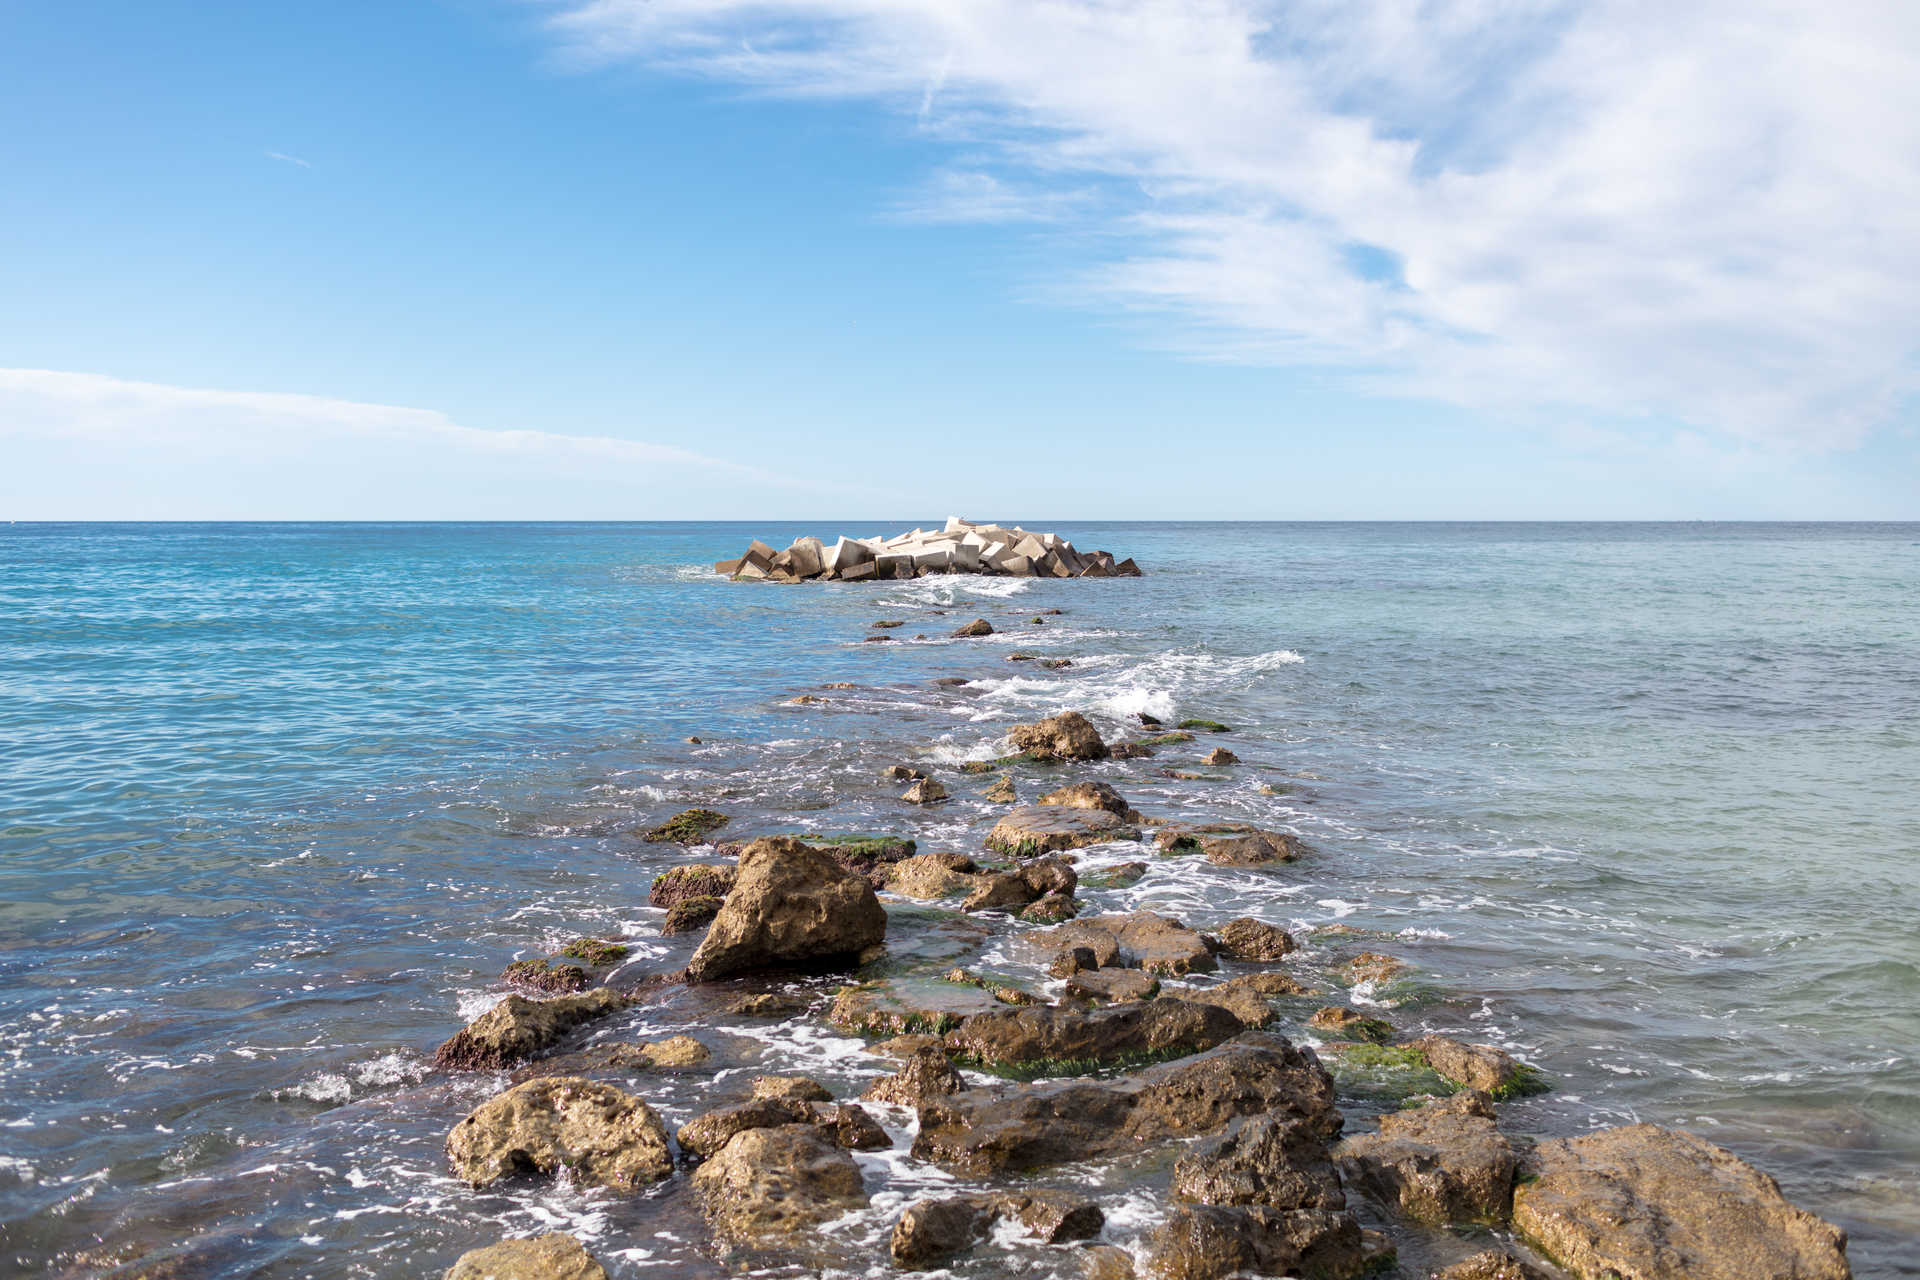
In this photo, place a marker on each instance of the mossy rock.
(978, 766)
(863, 847)
(544, 975)
(924, 941)
(1388, 1073)
(1165, 739)
(689, 914)
(595, 951)
(689, 826)
(1205, 726)
(1524, 1081)
(1002, 989)
(888, 624)
(1051, 909)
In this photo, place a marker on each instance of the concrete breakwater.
(963, 546)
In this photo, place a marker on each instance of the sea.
(278, 802)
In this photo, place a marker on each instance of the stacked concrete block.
(963, 546)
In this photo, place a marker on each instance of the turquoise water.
(281, 800)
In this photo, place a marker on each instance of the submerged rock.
(1230, 844)
(554, 1256)
(1480, 1066)
(1237, 998)
(769, 1004)
(517, 1028)
(766, 1186)
(1250, 939)
(912, 1006)
(1278, 1161)
(1211, 1242)
(978, 627)
(1645, 1203)
(790, 905)
(1001, 792)
(1067, 736)
(672, 1053)
(1372, 966)
(1158, 944)
(1011, 1128)
(1442, 1163)
(597, 952)
(1113, 985)
(1219, 756)
(1036, 829)
(689, 915)
(601, 1135)
(1062, 1041)
(1123, 876)
(689, 826)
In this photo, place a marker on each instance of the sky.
(1009, 259)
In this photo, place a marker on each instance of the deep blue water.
(280, 800)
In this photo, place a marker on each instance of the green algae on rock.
(689, 826)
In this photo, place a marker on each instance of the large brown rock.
(1645, 1203)
(1035, 829)
(1011, 1128)
(1211, 1242)
(1060, 1041)
(1477, 1066)
(517, 1028)
(1091, 795)
(767, 1186)
(555, 1256)
(932, 875)
(1112, 985)
(1067, 736)
(931, 1231)
(1023, 885)
(1280, 1161)
(1442, 1163)
(1250, 939)
(927, 1073)
(791, 905)
(690, 880)
(1158, 944)
(601, 1135)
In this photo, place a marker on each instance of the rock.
(1248, 939)
(695, 880)
(1371, 966)
(1278, 1161)
(1056, 664)
(1230, 844)
(790, 905)
(932, 875)
(1269, 984)
(1091, 795)
(1001, 792)
(1012, 890)
(689, 826)
(1124, 876)
(1442, 1163)
(797, 1088)
(767, 1186)
(1339, 1021)
(554, 1256)
(1060, 1041)
(925, 791)
(1645, 1203)
(672, 1053)
(998, 988)
(597, 952)
(1211, 1242)
(901, 772)
(927, 1073)
(1012, 1128)
(931, 1231)
(708, 1132)
(952, 682)
(1113, 985)
(1067, 736)
(1072, 960)
(601, 1135)
(1036, 829)
(978, 627)
(1051, 909)
(1479, 1066)
(517, 1028)
(851, 1127)
(1158, 944)
(545, 976)
(1220, 755)
(1491, 1265)
(1205, 726)
(1131, 751)
(768, 1004)
(676, 1051)
(907, 1007)
(1237, 998)
(690, 914)
(902, 1047)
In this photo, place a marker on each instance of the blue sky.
(840, 258)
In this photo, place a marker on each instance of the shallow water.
(280, 801)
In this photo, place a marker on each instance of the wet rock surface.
(1036, 829)
(518, 1028)
(694, 880)
(767, 1187)
(791, 905)
(1442, 1163)
(1477, 1066)
(1643, 1202)
(934, 1230)
(1491, 1265)
(555, 1256)
(1229, 844)
(1059, 1041)
(1023, 885)
(1211, 1242)
(1112, 985)
(1067, 736)
(1248, 939)
(1139, 939)
(1091, 795)
(928, 1073)
(1280, 1161)
(601, 1135)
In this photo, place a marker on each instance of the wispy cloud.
(83, 445)
(287, 159)
(1605, 208)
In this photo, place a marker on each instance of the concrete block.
(1018, 566)
(807, 558)
(892, 564)
(926, 558)
(751, 571)
(727, 568)
(859, 572)
(1094, 569)
(845, 554)
(759, 552)
(1126, 569)
(1030, 547)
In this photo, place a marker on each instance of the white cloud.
(82, 446)
(284, 158)
(1610, 208)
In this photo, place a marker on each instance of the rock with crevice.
(1642, 1202)
(1112, 984)
(601, 1135)
(792, 905)
(1237, 998)
(518, 1028)
(1014, 889)
(1067, 736)
(1442, 1163)
(554, 1256)
(931, 1231)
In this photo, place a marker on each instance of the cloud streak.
(1613, 210)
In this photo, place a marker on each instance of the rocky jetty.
(962, 547)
